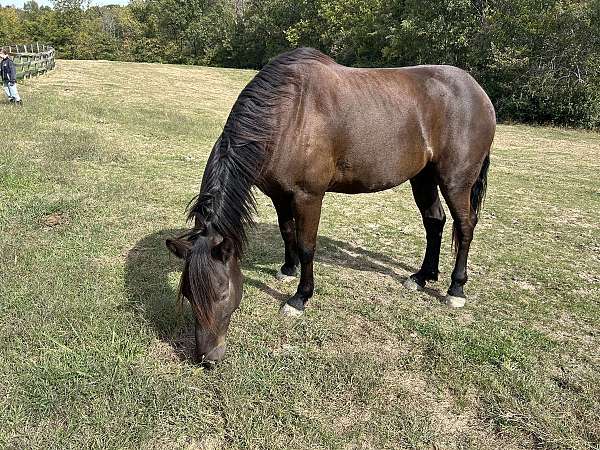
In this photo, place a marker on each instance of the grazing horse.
(306, 125)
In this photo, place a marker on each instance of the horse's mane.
(225, 203)
(237, 158)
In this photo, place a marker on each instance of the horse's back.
(432, 105)
(364, 130)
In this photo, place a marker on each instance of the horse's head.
(212, 282)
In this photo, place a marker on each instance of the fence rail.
(31, 59)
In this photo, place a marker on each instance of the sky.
(19, 3)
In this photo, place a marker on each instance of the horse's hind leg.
(465, 219)
(425, 191)
(464, 193)
(287, 227)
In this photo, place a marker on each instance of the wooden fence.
(31, 60)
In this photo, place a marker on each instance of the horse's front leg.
(287, 227)
(307, 212)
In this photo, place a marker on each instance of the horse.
(304, 126)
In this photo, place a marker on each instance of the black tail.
(477, 196)
(480, 186)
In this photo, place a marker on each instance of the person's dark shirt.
(8, 70)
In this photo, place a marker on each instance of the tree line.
(539, 60)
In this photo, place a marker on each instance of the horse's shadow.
(152, 274)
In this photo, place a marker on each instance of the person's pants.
(11, 91)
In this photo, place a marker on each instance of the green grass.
(95, 172)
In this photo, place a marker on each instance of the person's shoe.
(11, 100)
(19, 103)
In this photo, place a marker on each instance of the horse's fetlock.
(456, 290)
(432, 276)
(288, 270)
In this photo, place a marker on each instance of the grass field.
(95, 172)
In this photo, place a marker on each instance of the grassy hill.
(95, 172)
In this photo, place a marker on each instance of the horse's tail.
(477, 196)
(480, 186)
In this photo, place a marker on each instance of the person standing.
(8, 74)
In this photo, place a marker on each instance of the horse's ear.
(179, 247)
(200, 225)
(223, 251)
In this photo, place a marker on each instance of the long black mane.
(237, 158)
(225, 204)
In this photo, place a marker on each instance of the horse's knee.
(306, 253)
(287, 228)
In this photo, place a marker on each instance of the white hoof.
(290, 311)
(455, 302)
(412, 285)
(285, 278)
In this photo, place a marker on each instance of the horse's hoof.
(290, 311)
(285, 278)
(455, 302)
(412, 285)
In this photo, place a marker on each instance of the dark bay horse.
(305, 126)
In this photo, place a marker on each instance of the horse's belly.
(355, 186)
(373, 171)
(372, 178)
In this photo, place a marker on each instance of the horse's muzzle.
(214, 356)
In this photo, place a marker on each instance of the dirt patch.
(163, 351)
(451, 426)
(54, 220)
(178, 349)
(368, 339)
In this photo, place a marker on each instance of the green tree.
(11, 26)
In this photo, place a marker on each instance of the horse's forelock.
(199, 272)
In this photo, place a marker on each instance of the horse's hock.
(31, 59)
